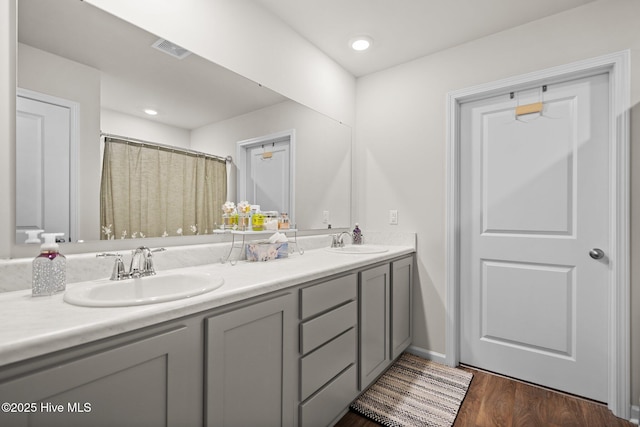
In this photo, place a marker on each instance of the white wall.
(401, 137)
(53, 75)
(116, 123)
(244, 38)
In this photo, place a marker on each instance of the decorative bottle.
(49, 268)
(357, 235)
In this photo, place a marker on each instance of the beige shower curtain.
(150, 191)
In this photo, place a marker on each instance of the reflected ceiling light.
(150, 112)
(361, 43)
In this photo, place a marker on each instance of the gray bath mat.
(415, 392)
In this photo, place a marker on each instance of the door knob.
(596, 253)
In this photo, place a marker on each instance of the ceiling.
(404, 30)
(188, 93)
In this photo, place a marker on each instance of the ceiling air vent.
(171, 49)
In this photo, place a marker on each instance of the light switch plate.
(325, 217)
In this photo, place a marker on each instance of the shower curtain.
(154, 191)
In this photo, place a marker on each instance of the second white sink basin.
(145, 290)
(359, 249)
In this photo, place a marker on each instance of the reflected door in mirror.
(268, 176)
(42, 167)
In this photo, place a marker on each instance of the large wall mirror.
(108, 72)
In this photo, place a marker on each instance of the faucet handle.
(147, 261)
(146, 251)
(119, 272)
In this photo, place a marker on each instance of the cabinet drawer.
(325, 406)
(317, 368)
(318, 298)
(316, 332)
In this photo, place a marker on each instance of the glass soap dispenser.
(49, 268)
(357, 235)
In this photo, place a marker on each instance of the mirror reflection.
(103, 73)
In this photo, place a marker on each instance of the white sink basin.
(359, 249)
(145, 290)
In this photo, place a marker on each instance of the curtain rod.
(228, 159)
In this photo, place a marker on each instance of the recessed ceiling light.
(150, 112)
(360, 43)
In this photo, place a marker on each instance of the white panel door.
(42, 167)
(534, 203)
(269, 176)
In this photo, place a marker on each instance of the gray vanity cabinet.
(374, 322)
(385, 298)
(295, 357)
(401, 305)
(249, 379)
(147, 378)
(328, 350)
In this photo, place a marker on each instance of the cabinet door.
(374, 323)
(401, 297)
(144, 382)
(249, 365)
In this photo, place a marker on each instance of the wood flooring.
(495, 401)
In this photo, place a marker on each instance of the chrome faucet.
(141, 263)
(337, 241)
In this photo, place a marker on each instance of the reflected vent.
(171, 49)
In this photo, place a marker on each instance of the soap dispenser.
(32, 236)
(49, 268)
(357, 235)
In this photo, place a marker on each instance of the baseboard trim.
(427, 354)
(635, 414)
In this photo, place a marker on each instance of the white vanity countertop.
(36, 326)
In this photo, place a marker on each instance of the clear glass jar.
(229, 221)
(243, 222)
(271, 220)
(257, 222)
(283, 222)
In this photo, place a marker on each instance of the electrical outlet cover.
(393, 217)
